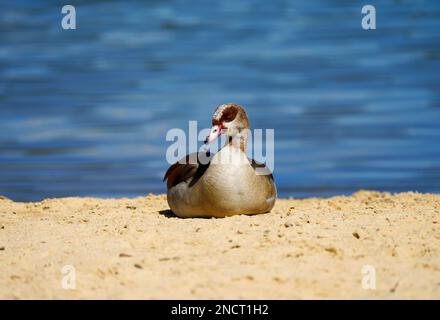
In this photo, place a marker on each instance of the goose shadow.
(168, 214)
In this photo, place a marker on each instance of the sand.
(315, 248)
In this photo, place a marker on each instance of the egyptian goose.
(226, 184)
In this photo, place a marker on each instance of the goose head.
(229, 119)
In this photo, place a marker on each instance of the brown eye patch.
(225, 113)
(229, 114)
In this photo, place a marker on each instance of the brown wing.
(256, 164)
(189, 167)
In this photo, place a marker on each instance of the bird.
(224, 184)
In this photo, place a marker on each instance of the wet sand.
(135, 248)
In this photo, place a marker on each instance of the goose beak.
(216, 131)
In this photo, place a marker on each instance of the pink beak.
(216, 131)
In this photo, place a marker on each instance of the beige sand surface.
(135, 248)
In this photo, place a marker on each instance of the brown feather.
(255, 164)
(228, 114)
(187, 168)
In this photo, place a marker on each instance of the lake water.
(85, 112)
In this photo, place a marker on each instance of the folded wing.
(188, 169)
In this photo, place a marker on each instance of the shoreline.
(314, 248)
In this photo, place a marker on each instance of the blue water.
(85, 112)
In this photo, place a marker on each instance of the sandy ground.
(135, 248)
